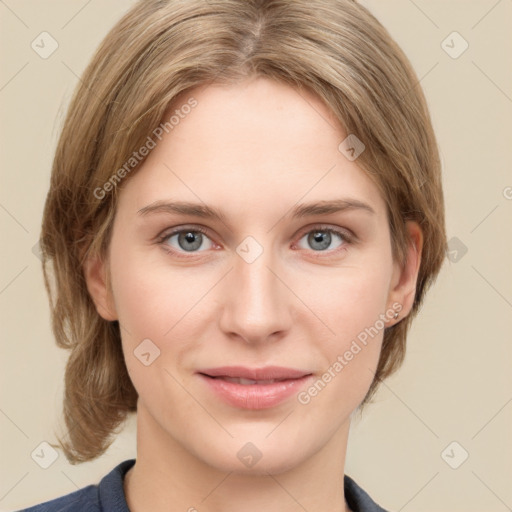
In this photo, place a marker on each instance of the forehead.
(253, 144)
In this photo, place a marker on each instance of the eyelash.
(346, 238)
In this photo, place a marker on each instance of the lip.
(288, 381)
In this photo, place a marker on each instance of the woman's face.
(209, 304)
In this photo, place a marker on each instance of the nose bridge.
(256, 303)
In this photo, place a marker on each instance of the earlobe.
(403, 286)
(95, 273)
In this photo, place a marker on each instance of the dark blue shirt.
(108, 496)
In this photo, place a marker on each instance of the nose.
(256, 304)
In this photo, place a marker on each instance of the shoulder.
(358, 499)
(85, 499)
(107, 496)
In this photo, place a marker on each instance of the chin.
(256, 454)
(274, 463)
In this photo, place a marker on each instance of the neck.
(166, 475)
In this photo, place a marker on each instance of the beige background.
(456, 383)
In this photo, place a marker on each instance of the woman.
(244, 217)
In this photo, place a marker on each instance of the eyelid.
(167, 233)
(345, 232)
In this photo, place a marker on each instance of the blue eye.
(320, 239)
(188, 240)
(195, 240)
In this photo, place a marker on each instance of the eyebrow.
(298, 211)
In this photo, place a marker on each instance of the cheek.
(151, 297)
(351, 300)
(153, 302)
(352, 309)
(165, 305)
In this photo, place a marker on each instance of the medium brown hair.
(163, 48)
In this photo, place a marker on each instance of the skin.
(252, 150)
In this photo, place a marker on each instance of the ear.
(403, 283)
(96, 278)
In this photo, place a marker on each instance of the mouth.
(247, 382)
(268, 373)
(254, 388)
